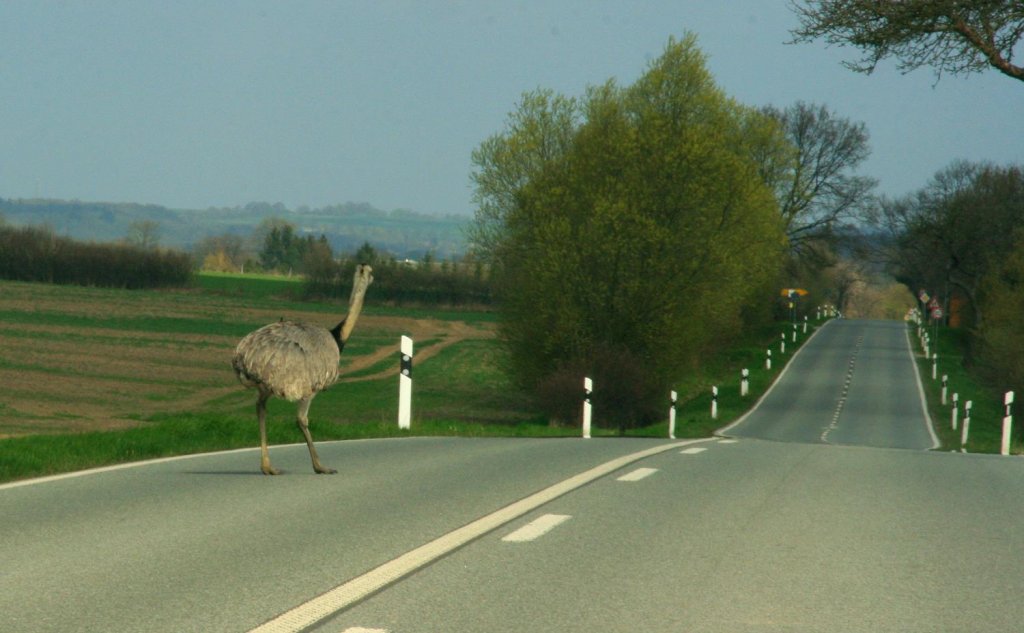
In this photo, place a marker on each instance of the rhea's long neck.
(343, 330)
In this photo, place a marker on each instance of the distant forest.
(401, 233)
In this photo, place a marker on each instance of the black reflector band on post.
(406, 365)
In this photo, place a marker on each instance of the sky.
(212, 103)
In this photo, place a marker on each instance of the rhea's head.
(363, 277)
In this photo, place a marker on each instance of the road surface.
(824, 527)
(855, 383)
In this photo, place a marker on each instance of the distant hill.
(402, 233)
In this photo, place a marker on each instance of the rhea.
(296, 361)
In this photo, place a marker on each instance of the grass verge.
(462, 373)
(986, 428)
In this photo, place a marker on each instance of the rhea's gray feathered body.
(295, 361)
(290, 359)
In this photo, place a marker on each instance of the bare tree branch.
(954, 36)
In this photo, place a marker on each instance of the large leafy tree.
(954, 36)
(640, 231)
(538, 131)
(814, 178)
(1002, 333)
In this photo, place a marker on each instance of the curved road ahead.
(825, 528)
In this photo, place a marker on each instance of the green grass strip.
(460, 373)
(987, 405)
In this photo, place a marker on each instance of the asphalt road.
(210, 544)
(742, 538)
(795, 534)
(853, 383)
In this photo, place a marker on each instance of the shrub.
(627, 393)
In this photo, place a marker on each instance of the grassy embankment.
(96, 376)
(986, 428)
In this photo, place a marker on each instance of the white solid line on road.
(536, 528)
(107, 469)
(348, 593)
(928, 422)
(692, 451)
(162, 460)
(638, 474)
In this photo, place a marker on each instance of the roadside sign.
(923, 296)
(937, 313)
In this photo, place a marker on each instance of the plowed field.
(81, 359)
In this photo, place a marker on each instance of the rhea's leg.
(261, 413)
(303, 423)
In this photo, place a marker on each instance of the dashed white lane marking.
(692, 451)
(359, 629)
(846, 392)
(638, 474)
(728, 442)
(345, 595)
(536, 528)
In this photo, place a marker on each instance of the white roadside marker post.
(794, 332)
(1007, 423)
(805, 324)
(956, 409)
(967, 426)
(768, 361)
(945, 388)
(588, 390)
(935, 364)
(744, 382)
(672, 415)
(782, 350)
(405, 385)
(714, 403)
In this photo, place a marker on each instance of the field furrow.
(81, 359)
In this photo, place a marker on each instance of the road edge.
(929, 422)
(723, 432)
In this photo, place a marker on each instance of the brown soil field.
(79, 359)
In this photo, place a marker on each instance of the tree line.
(426, 282)
(329, 274)
(960, 239)
(404, 232)
(37, 254)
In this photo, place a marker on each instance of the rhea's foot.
(323, 470)
(269, 470)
